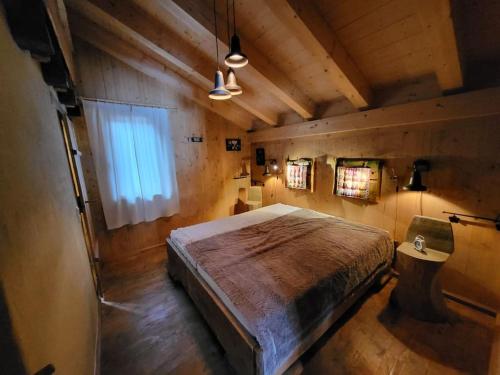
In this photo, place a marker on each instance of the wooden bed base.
(242, 349)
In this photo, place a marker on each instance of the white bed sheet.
(184, 236)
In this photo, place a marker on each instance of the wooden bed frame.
(242, 349)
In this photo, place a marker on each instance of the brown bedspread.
(284, 275)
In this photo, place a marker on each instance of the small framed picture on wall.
(358, 178)
(233, 144)
(260, 156)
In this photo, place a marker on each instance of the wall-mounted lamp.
(415, 183)
(454, 218)
(266, 173)
(271, 168)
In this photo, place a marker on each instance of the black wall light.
(415, 183)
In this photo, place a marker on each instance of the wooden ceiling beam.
(119, 49)
(112, 15)
(474, 104)
(58, 17)
(272, 80)
(437, 23)
(309, 26)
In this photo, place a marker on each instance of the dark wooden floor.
(149, 326)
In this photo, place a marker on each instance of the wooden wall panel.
(204, 170)
(464, 177)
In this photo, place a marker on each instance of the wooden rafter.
(307, 24)
(119, 49)
(272, 80)
(58, 17)
(436, 20)
(475, 104)
(111, 16)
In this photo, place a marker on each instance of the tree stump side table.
(418, 291)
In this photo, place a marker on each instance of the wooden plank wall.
(204, 170)
(464, 177)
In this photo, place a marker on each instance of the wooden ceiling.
(302, 53)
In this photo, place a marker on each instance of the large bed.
(271, 281)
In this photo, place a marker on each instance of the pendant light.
(235, 58)
(219, 92)
(232, 85)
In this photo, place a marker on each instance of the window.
(134, 161)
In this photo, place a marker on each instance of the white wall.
(44, 270)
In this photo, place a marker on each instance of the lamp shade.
(415, 183)
(232, 85)
(219, 92)
(235, 58)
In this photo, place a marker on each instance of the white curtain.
(134, 161)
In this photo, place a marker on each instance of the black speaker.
(260, 156)
(29, 26)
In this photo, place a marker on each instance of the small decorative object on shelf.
(419, 243)
(299, 174)
(244, 170)
(358, 178)
(233, 144)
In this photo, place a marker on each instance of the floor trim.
(462, 300)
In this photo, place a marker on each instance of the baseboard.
(470, 303)
(135, 253)
(462, 300)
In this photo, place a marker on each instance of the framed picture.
(260, 156)
(358, 178)
(233, 144)
(300, 174)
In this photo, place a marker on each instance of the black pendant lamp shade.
(415, 183)
(235, 58)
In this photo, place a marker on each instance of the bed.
(270, 282)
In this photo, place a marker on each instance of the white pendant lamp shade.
(232, 85)
(235, 58)
(219, 92)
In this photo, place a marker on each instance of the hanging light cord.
(228, 29)
(234, 18)
(216, 41)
